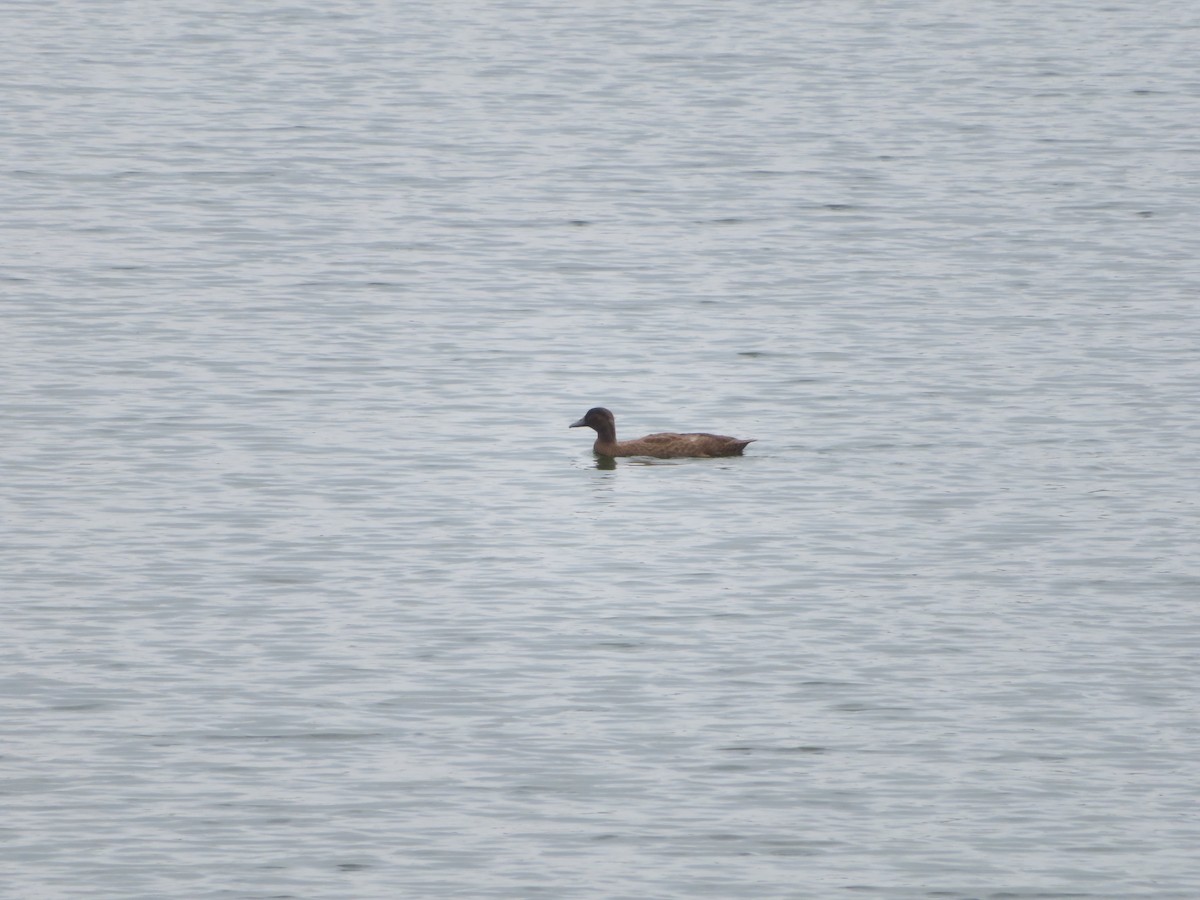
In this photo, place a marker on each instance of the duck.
(665, 445)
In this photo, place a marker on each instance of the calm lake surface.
(309, 592)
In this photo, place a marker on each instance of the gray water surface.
(308, 590)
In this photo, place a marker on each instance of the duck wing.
(669, 444)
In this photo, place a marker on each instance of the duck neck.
(606, 433)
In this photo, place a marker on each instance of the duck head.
(595, 418)
(599, 419)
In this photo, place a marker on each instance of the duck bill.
(578, 424)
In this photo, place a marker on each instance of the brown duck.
(664, 446)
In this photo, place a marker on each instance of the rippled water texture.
(310, 592)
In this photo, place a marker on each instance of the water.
(310, 592)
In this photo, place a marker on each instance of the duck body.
(665, 445)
